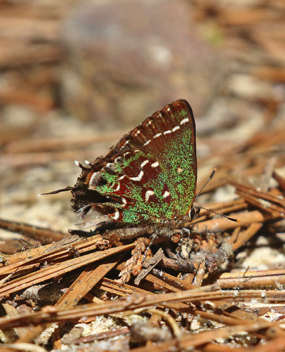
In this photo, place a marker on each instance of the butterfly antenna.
(212, 211)
(221, 215)
(209, 179)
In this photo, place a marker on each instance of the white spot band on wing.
(175, 128)
(138, 178)
(166, 194)
(148, 194)
(184, 121)
(117, 215)
(155, 164)
(144, 163)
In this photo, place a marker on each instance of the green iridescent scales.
(176, 156)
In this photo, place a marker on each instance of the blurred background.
(76, 75)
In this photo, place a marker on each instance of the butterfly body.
(149, 177)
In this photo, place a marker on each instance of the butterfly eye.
(96, 180)
(110, 169)
(192, 213)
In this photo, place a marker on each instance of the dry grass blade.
(38, 233)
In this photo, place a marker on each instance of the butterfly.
(147, 181)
